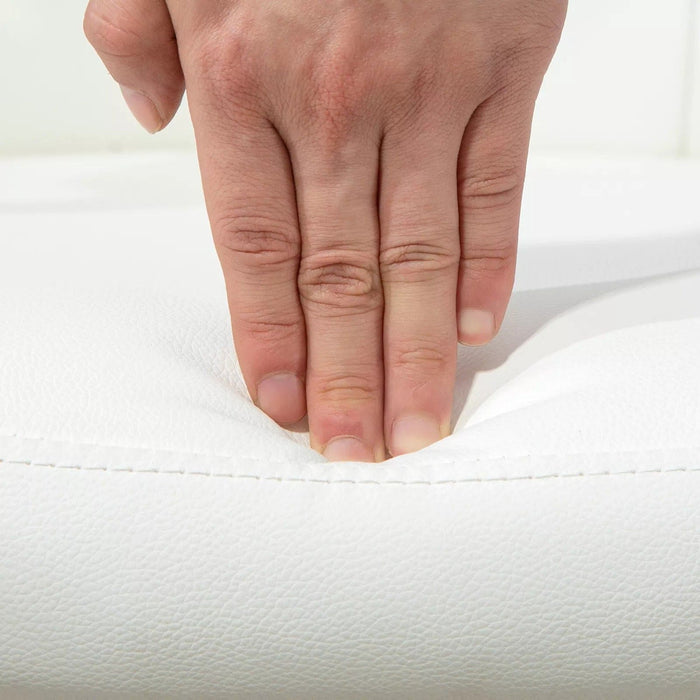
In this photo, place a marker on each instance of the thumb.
(136, 41)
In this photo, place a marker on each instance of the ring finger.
(419, 261)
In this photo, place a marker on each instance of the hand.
(362, 163)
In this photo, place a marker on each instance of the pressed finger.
(491, 174)
(419, 256)
(249, 191)
(340, 291)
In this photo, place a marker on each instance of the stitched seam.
(266, 461)
(283, 479)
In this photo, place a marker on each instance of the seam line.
(396, 482)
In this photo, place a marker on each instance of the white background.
(625, 80)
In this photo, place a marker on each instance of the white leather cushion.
(159, 534)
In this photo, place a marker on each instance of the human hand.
(362, 164)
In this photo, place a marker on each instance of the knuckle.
(417, 258)
(425, 82)
(257, 240)
(339, 280)
(111, 35)
(490, 262)
(338, 78)
(537, 29)
(527, 40)
(226, 63)
(492, 189)
(265, 330)
(347, 388)
(422, 359)
(339, 89)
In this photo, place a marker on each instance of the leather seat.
(161, 537)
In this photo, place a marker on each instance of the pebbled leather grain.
(161, 537)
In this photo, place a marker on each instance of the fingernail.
(347, 449)
(282, 396)
(476, 327)
(143, 109)
(411, 433)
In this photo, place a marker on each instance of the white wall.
(626, 79)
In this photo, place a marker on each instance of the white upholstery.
(161, 537)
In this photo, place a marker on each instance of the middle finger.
(335, 176)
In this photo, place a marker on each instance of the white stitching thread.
(394, 482)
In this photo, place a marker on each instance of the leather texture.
(162, 537)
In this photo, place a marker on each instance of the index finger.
(249, 191)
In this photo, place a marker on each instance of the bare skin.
(362, 163)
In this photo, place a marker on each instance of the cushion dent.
(160, 536)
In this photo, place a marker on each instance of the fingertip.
(282, 396)
(144, 109)
(476, 327)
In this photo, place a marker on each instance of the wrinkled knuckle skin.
(226, 64)
(347, 389)
(491, 263)
(268, 330)
(256, 240)
(424, 84)
(490, 190)
(343, 283)
(418, 258)
(338, 93)
(421, 360)
(523, 50)
(111, 34)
